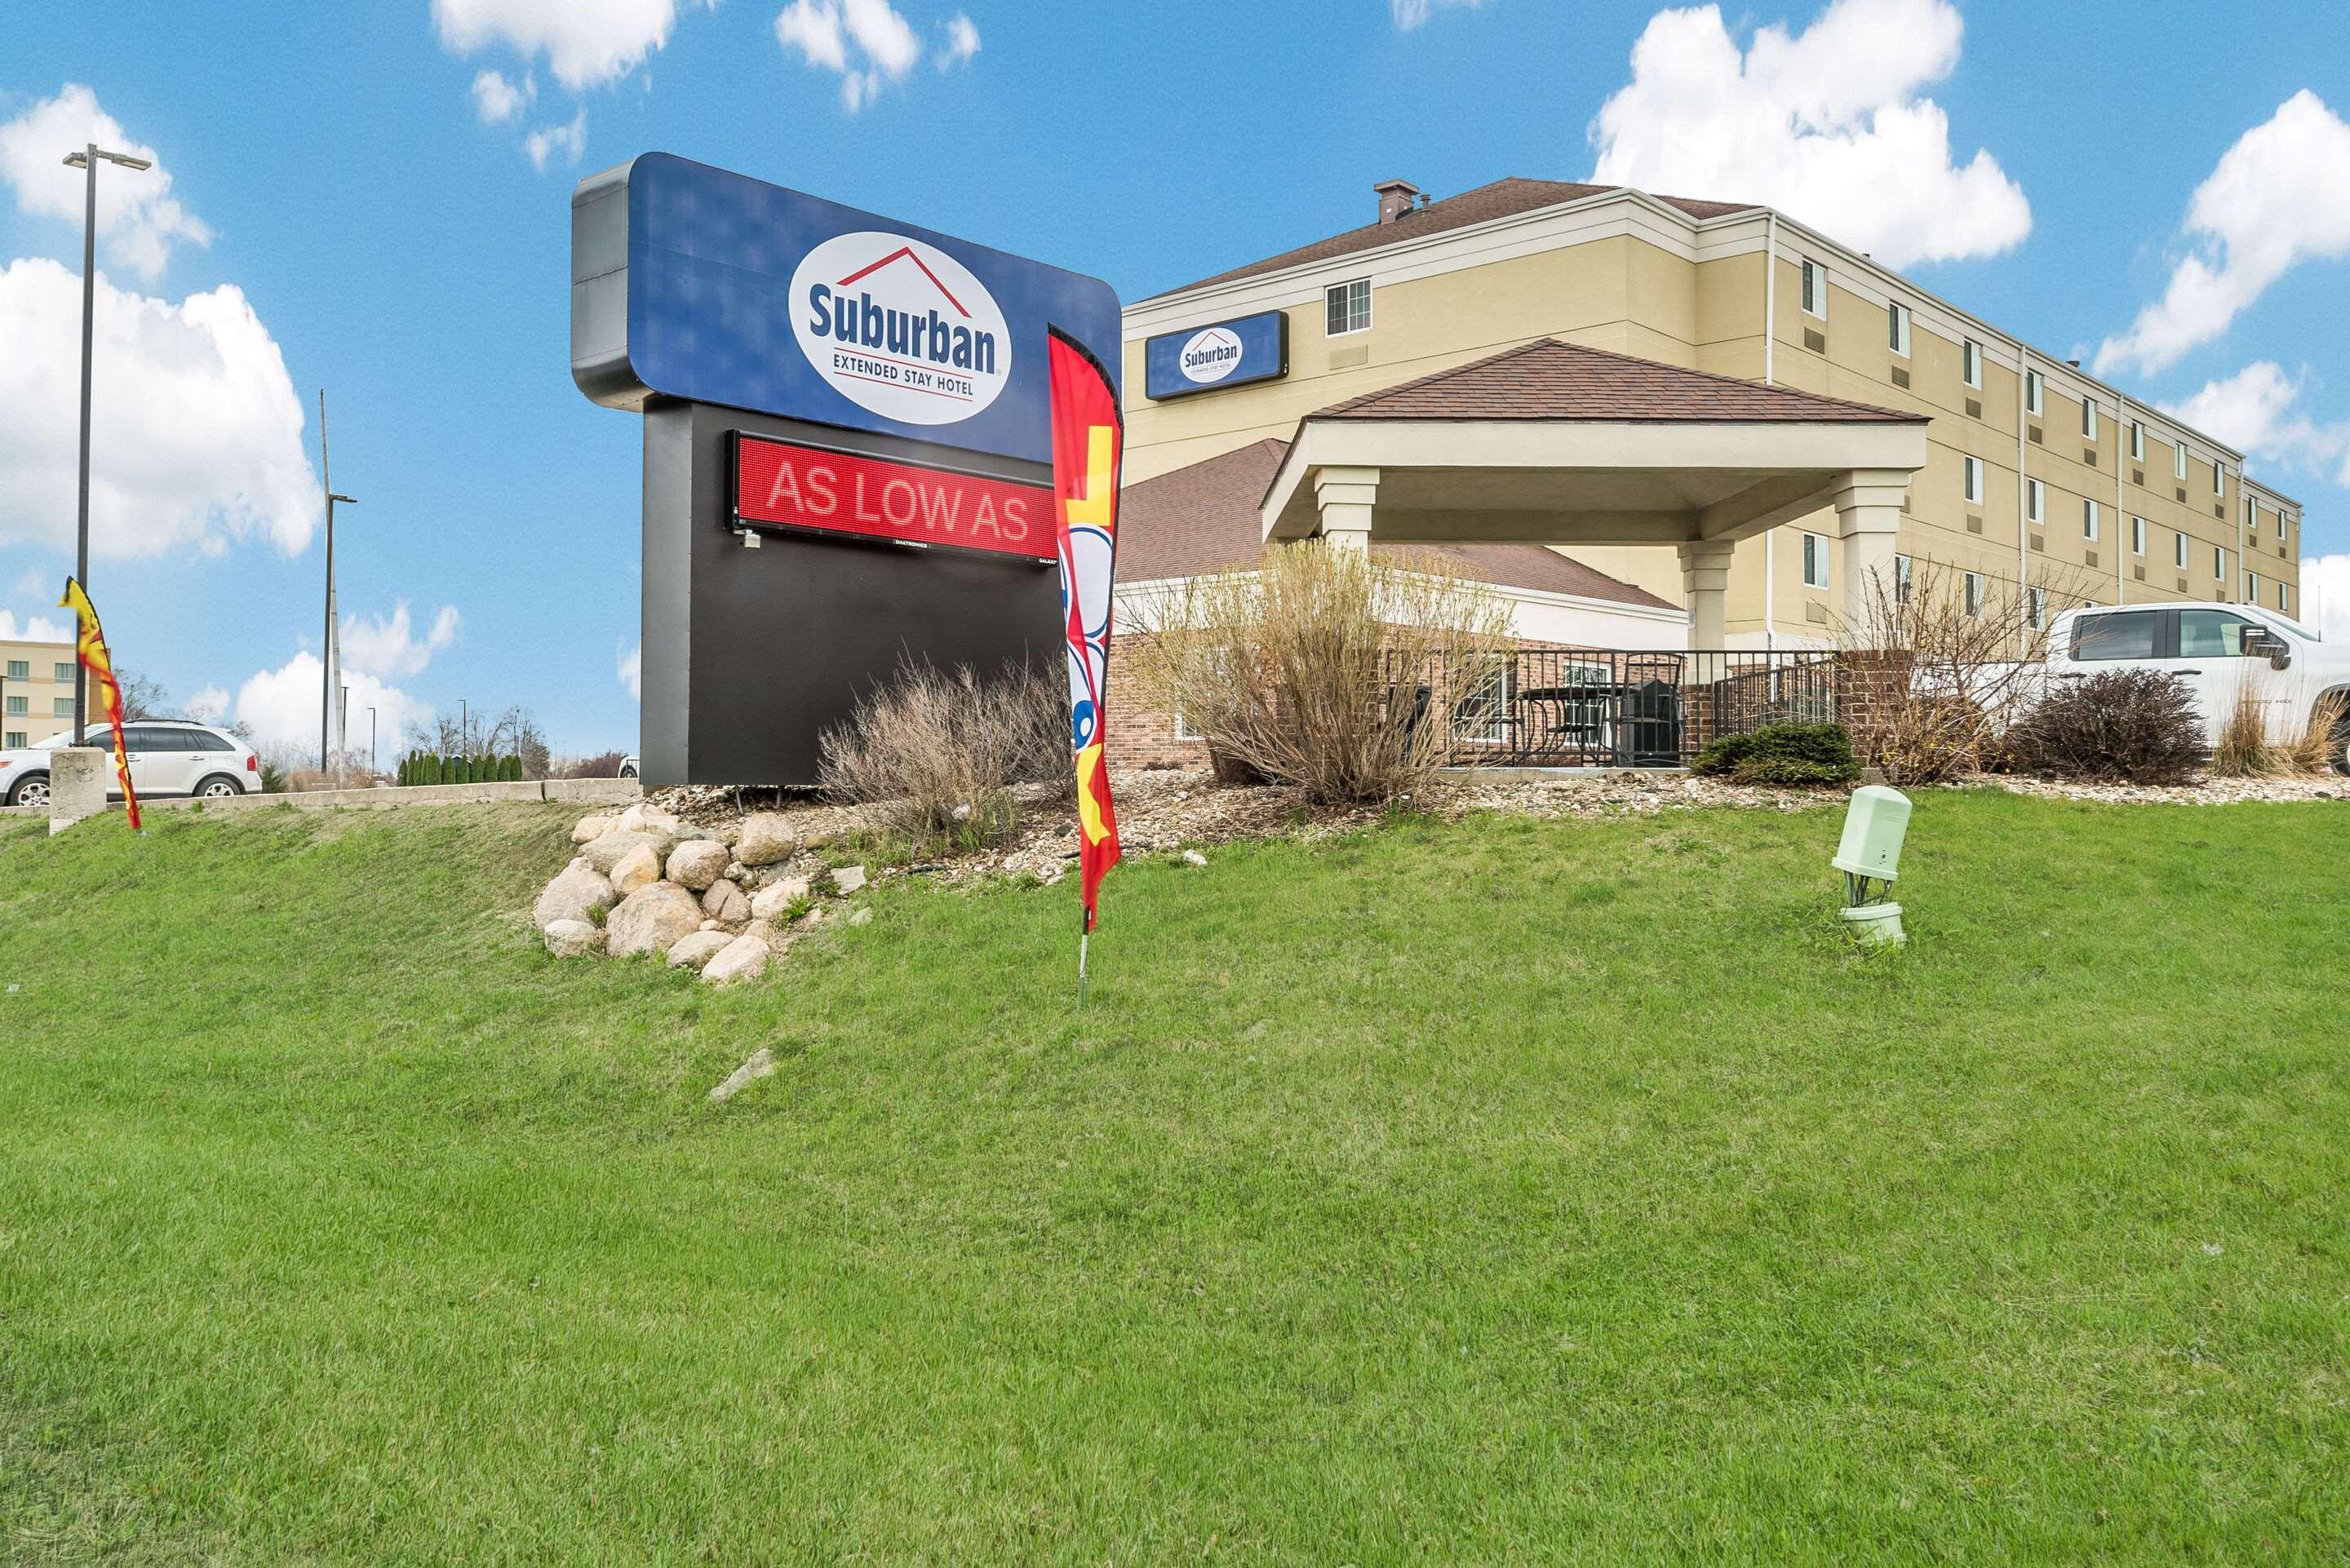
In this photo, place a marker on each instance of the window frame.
(1330, 290)
(2036, 609)
(1904, 575)
(20, 670)
(1975, 592)
(16, 740)
(17, 705)
(2220, 562)
(1970, 478)
(1899, 323)
(2178, 461)
(2219, 480)
(2137, 535)
(2090, 518)
(2179, 548)
(1815, 549)
(1970, 361)
(2284, 598)
(1812, 287)
(2137, 440)
(2163, 623)
(2035, 502)
(2035, 394)
(2089, 417)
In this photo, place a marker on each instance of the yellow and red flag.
(89, 644)
(1088, 438)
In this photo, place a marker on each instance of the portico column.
(1868, 531)
(1705, 582)
(1346, 497)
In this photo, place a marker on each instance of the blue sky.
(344, 195)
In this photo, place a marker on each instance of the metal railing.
(1615, 706)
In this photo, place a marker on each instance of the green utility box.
(1873, 830)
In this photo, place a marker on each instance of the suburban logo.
(1209, 356)
(900, 328)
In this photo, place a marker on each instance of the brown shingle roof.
(1501, 199)
(1205, 518)
(1547, 380)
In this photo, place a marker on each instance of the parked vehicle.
(627, 767)
(2225, 653)
(167, 757)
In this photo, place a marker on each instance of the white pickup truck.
(2225, 654)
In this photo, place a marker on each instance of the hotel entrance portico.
(1553, 443)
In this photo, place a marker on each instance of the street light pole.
(464, 727)
(371, 740)
(327, 671)
(87, 159)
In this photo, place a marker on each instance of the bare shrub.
(2247, 747)
(2322, 743)
(603, 765)
(1329, 669)
(2130, 726)
(933, 755)
(1929, 689)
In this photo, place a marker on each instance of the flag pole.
(1084, 938)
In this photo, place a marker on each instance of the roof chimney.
(1395, 198)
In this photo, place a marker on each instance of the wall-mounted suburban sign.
(831, 386)
(1210, 358)
(689, 282)
(784, 485)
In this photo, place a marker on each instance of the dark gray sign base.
(750, 655)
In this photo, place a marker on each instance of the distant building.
(37, 690)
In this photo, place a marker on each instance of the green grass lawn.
(1491, 1193)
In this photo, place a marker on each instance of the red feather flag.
(90, 645)
(1088, 438)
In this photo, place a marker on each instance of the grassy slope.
(1494, 1193)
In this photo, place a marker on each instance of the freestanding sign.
(847, 452)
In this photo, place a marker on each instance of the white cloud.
(963, 42)
(1827, 125)
(34, 629)
(586, 43)
(197, 437)
(2279, 196)
(498, 100)
(139, 220)
(387, 646)
(209, 706)
(568, 141)
(632, 669)
(869, 43)
(1410, 15)
(2253, 410)
(2325, 595)
(281, 705)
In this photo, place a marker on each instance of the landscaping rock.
(592, 828)
(577, 893)
(761, 1064)
(1193, 857)
(651, 921)
(697, 865)
(744, 958)
(573, 939)
(607, 852)
(693, 952)
(766, 837)
(768, 932)
(640, 868)
(770, 901)
(848, 878)
(725, 902)
(643, 818)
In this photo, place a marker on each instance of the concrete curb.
(563, 792)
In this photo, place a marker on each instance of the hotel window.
(2137, 535)
(1816, 561)
(1902, 571)
(61, 708)
(1971, 468)
(16, 740)
(2220, 562)
(17, 708)
(2179, 461)
(1482, 714)
(2035, 500)
(2089, 418)
(1971, 363)
(2137, 440)
(2284, 598)
(2035, 392)
(1346, 307)
(2178, 551)
(2036, 609)
(1816, 289)
(19, 669)
(2088, 519)
(2251, 587)
(2252, 514)
(65, 672)
(2219, 480)
(1897, 322)
(1974, 594)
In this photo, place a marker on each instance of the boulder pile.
(720, 901)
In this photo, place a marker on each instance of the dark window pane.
(2127, 636)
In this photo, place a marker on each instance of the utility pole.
(464, 728)
(87, 159)
(326, 671)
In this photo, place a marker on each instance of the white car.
(627, 767)
(167, 756)
(2224, 653)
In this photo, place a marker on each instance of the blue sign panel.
(693, 283)
(1210, 358)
